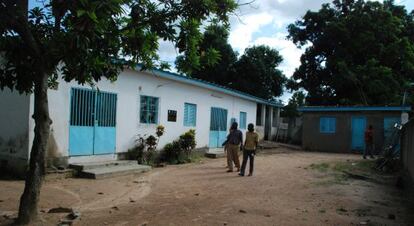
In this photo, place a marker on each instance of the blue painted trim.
(209, 85)
(327, 125)
(357, 108)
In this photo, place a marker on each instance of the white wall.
(14, 124)
(172, 96)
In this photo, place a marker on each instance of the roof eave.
(208, 85)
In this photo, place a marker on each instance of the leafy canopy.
(217, 57)
(256, 72)
(89, 39)
(357, 52)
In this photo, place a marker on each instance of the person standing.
(226, 152)
(233, 145)
(369, 141)
(249, 151)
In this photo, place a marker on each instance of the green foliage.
(160, 130)
(145, 147)
(291, 109)
(187, 141)
(173, 153)
(357, 52)
(216, 56)
(94, 39)
(137, 152)
(180, 150)
(257, 73)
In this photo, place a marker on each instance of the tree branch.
(16, 18)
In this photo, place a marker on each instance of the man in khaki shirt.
(249, 151)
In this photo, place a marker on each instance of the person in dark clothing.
(369, 142)
(249, 151)
(234, 143)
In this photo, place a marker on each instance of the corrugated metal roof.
(209, 85)
(353, 108)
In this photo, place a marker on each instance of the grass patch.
(322, 167)
(339, 172)
(196, 156)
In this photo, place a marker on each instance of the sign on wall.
(172, 115)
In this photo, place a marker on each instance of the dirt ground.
(288, 188)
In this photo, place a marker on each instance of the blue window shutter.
(190, 114)
(332, 125)
(322, 125)
(327, 125)
(243, 119)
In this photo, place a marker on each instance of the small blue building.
(341, 129)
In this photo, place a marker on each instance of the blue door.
(105, 118)
(358, 130)
(92, 122)
(218, 127)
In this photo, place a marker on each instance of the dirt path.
(285, 190)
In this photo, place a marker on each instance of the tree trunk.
(28, 209)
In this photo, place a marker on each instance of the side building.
(342, 129)
(101, 123)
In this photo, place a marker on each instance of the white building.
(100, 123)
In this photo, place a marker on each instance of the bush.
(145, 147)
(172, 152)
(187, 142)
(179, 151)
(137, 152)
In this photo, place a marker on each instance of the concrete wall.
(407, 148)
(272, 130)
(129, 86)
(341, 140)
(14, 124)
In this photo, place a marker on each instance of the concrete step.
(94, 165)
(215, 153)
(113, 171)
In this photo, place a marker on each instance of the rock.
(100, 193)
(341, 210)
(115, 208)
(131, 200)
(267, 215)
(196, 194)
(391, 216)
(60, 210)
(242, 211)
(65, 223)
(73, 216)
(1, 200)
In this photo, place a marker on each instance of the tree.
(87, 40)
(291, 109)
(256, 72)
(214, 43)
(357, 52)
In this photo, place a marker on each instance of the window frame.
(241, 125)
(186, 123)
(141, 111)
(325, 121)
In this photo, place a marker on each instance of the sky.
(264, 22)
